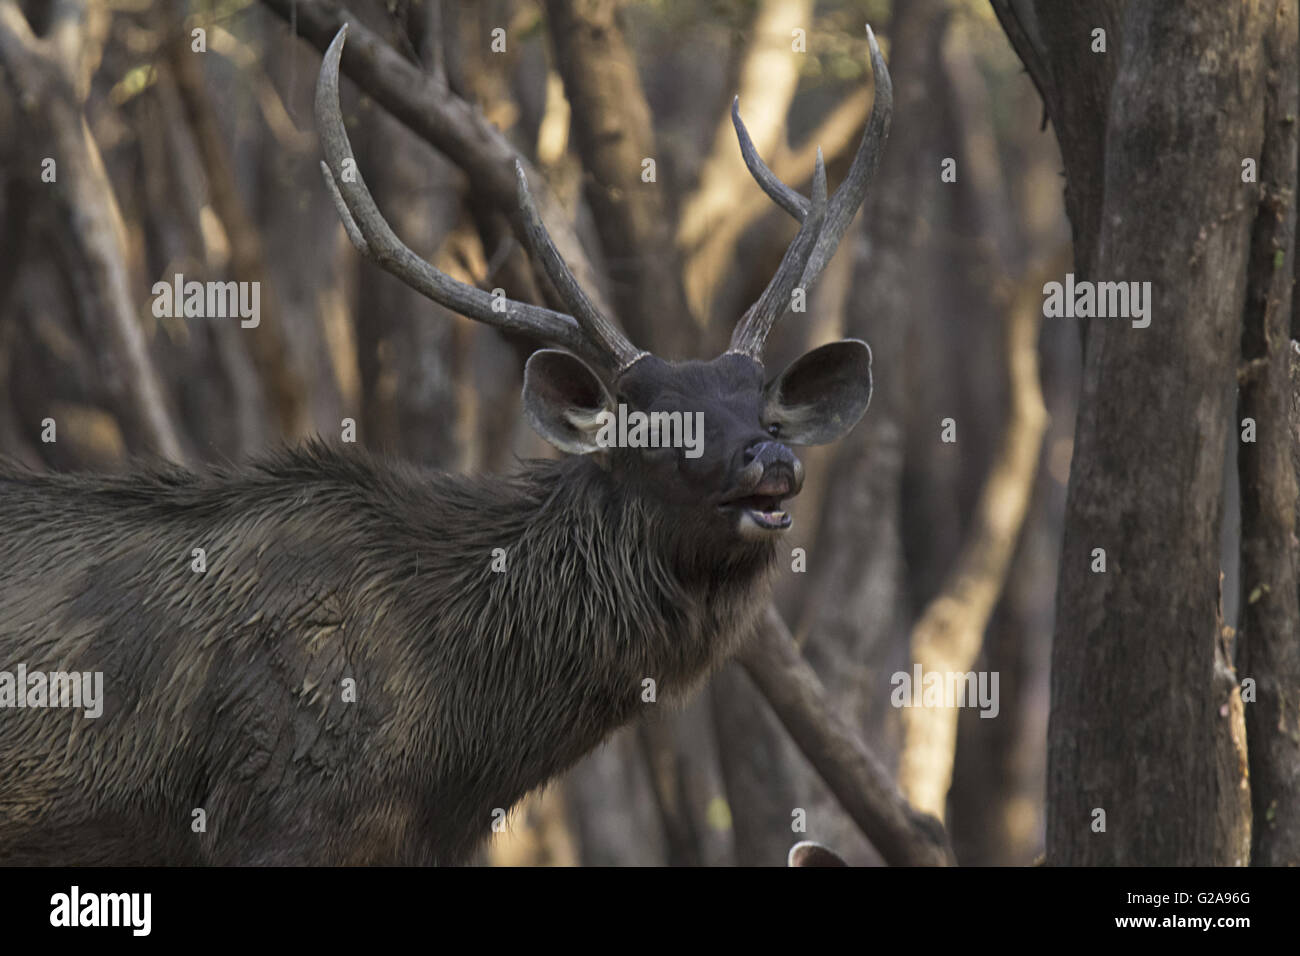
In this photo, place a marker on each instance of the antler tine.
(848, 197)
(752, 330)
(375, 239)
(781, 194)
(603, 333)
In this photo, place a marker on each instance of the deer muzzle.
(771, 475)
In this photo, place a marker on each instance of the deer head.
(740, 469)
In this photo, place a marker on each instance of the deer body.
(369, 661)
(226, 686)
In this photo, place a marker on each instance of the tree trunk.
(1270, 616)
(1144, 766)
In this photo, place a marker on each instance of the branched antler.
(587, 333)
(751, 331)
(839, 210)
(598, 328)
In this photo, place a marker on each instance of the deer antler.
(751, 332)
(586, 333)
(599, 329)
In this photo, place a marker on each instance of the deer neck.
(601, 609)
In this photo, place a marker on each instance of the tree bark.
(614, 131)
(1269, 631)
(1140, 725)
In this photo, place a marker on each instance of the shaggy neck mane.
(596, 592)
(561, 548)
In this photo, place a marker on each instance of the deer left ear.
(822, 395)
(563, 401)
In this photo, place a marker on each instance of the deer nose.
(782, 470)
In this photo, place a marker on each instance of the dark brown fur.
(223, 689)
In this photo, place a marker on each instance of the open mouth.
(763, 507)
(766, 511)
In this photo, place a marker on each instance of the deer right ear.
(811, 853)
(563, 401)
(822, 394)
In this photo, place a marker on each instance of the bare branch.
(1021, 27)
(87, 203)
(903, 836)
(948, 637)
(430, 110)
(280, 382)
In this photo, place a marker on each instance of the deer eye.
(774, 429)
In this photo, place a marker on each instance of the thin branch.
(1021, 29)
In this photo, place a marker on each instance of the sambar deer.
(375, 659)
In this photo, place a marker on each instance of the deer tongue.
(769, 520)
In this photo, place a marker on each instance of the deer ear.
(811, 853)
(822, 394)
(563, 401)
